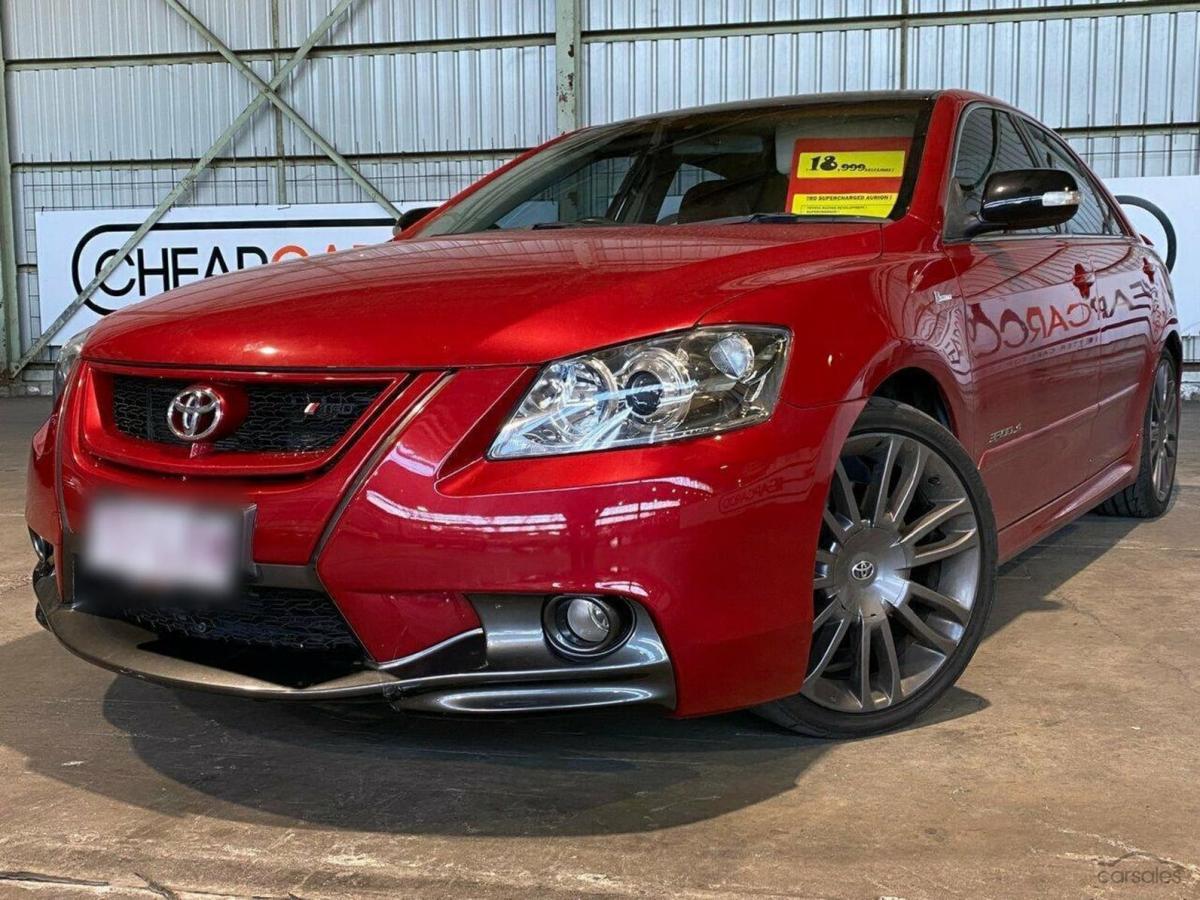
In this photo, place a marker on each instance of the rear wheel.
(1149, 496)
(905, 572)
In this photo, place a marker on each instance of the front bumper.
(421, 542)
(502, 667)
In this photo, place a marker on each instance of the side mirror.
(1027, 198)
(411, 217)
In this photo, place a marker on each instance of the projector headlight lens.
(681, 385)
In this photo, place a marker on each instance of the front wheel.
(905, 573)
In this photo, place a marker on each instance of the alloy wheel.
(1164, 429)
(897, 574)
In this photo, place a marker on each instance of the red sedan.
(728, 407)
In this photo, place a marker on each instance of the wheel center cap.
(863, 570)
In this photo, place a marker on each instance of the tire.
(1150, 495)
(904, 581)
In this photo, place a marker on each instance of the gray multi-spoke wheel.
(1150, 495)
(1164, 429)
(903, 578)
(896, 576)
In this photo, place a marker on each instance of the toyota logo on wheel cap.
(863, 570)
(196, 413)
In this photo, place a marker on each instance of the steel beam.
(266, 90)
(1131, 130)
(568, 52)
(262, 54)
(10, 314)
(184, 185)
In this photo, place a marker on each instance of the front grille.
(265, 617)
(275, 422)
(268, 617)
(290, 636)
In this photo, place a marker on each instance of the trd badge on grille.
(196, 413)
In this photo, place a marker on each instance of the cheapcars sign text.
(188, 244)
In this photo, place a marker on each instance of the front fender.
(856, 327)
(41, 508)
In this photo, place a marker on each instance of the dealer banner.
(187, 244)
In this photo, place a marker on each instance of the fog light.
(585, 626)
(589, 620)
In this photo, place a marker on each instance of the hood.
(500, 298)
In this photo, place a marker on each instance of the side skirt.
(1024, 533)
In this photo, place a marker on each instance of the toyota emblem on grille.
(195, 413)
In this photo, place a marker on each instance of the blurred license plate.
(164, 545)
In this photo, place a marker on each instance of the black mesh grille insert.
(276, 618)
(276, 421)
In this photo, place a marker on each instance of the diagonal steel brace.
(185, 184)
(284, 107)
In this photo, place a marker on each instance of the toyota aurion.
(729, 407)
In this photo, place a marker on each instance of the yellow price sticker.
(850, 164)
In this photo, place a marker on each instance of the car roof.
(799, 100)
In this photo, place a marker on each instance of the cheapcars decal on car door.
(846, 176)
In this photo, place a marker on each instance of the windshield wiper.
(585, 222)
(788, 219)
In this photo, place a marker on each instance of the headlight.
(681, 385)
(68, 358)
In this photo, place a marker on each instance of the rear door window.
(1094, 215)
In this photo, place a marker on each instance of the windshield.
(841, 160)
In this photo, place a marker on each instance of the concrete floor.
(1064, 764)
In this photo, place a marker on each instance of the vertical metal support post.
(568, 56)
(281, 193)
(10, 321)
(902, 81)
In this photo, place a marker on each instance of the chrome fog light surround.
(42, 547)
(582, 626)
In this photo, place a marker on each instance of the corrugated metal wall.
(109, 100)
(1101, 79)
